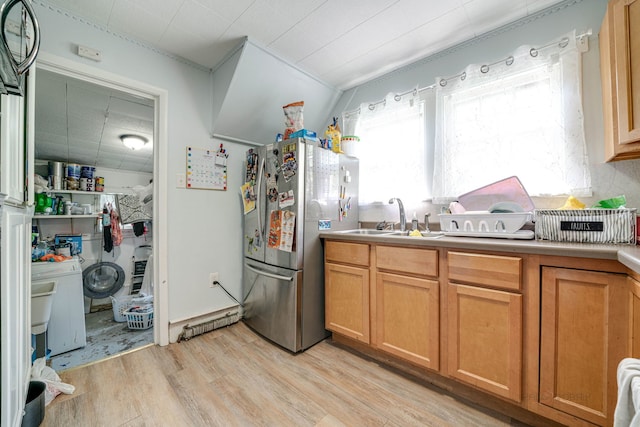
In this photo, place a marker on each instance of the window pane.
(392, 154)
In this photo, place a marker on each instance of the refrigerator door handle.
(271, 275)
(259, 196)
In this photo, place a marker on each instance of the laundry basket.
(122, 303)
(139, 320)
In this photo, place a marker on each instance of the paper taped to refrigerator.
(281, 228)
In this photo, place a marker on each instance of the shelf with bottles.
(69, 204)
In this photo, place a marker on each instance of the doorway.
(82, 85)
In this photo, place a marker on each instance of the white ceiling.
(342, 42)
(80, 122)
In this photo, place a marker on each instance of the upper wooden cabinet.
(620, 73)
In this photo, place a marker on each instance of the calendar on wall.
(207, 169)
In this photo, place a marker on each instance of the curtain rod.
(563, 42)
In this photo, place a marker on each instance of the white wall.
(203, 228)
(608, 179)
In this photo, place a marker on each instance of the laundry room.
(92, 225)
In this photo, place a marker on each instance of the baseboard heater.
(190, 331)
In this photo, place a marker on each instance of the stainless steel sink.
(366, 231)
(373, 232)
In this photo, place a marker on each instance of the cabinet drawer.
(407, 260)
(347, 253)
(503, 272)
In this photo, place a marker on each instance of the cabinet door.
(407, 310)
(626, 36)
(485, 339)
(634, 286)
(584, 335)
(620, 70)
(15, 309)
(347, 301)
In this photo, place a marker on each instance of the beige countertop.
(628, 255)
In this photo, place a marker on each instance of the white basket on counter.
(586, 225)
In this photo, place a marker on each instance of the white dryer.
(66, 330)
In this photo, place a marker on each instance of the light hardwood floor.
(232, 377)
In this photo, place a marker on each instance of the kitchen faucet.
(403, 218)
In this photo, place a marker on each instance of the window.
(391, 149)
(522, 117)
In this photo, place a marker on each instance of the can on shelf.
(87, 172)
(99, 183)
(72, 176)
(86, 184)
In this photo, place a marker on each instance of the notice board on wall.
(206, 169)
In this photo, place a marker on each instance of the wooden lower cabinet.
(542, 334)
(485, 339)
(584, 335)
(347, 290)
(634, 287)
(347, 301)
(407, 318)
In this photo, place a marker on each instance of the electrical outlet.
(213, 278)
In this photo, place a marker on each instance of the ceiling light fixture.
(134, 142)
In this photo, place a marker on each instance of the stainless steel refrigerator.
(294, 190)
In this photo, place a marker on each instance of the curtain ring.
(443, 82)
(533, 52)
(397, 97)
(484, 69)
(564, 42)
(463, 75)
(509, 60)
(372, 107)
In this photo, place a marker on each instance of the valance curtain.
(391, 148)
(521, 116)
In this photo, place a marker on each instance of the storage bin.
(139, 320)
(586, 225)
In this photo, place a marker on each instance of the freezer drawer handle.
(273, 276)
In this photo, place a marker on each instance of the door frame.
(159, 96)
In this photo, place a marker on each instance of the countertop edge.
(627, 255)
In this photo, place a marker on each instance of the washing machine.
(66, 330)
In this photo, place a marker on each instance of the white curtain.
(521, 116)
(391, 148)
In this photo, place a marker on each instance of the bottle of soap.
(414, 222)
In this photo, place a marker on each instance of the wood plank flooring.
(232, 377)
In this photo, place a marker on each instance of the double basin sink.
(373, 232)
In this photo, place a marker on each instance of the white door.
(15, 312)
